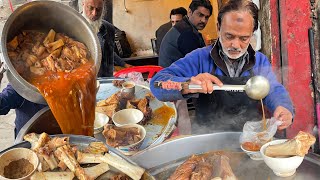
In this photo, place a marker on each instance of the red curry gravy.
(64, 73)
(71, 97)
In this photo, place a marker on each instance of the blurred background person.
(93, 13)
(24, 109)
(176, 15)
(185, 37)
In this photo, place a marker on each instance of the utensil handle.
(222, 88)
(109, 79)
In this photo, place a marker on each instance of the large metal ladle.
(256, 87)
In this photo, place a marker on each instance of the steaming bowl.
(282, 167)
(254, 155)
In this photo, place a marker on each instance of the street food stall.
(147, 147)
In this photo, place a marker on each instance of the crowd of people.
(186, 58)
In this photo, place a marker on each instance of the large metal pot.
(162, 160)
(43, 16)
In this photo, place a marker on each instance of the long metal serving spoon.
(257, 87)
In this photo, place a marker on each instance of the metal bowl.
(43, 16)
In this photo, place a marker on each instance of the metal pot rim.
(9, 66)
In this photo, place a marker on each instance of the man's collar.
(189, 22)
(214, 53)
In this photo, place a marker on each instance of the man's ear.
(218, 27)
(189, 12)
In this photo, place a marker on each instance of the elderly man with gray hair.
(93, 13)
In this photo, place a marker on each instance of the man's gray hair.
(240, 5)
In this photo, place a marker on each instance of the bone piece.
(55, 45)
(223, 169)
(203, 171)
(52, 162)
(63, 154)
(93, 172)
(50, 37)
(36, 140)
(43, 165)
(32, 138)
(298, 146)
(86, 158)
(52, 176)
(56, 142)
(62, 166)
(185, 169)
(133, 171)
(97, 148)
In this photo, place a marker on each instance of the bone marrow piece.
(298, 146)
(61, 160)
(204, 167)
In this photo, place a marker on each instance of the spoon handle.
(223, 88)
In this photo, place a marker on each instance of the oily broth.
(71, 97)
(66, 76)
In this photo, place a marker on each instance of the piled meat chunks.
(36, 53)
(117, 136)
(202, 167)
(61, 160)
(115, 103)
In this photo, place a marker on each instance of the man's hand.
(206, 81)
(283, 115)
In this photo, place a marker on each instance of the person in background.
(25, 110)
(231, 60)
(185, 37)
(92, 12)
(176, 15)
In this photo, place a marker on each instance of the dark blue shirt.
(25, 110)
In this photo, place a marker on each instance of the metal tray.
(162, 160)
(156, 133)
(82, 142)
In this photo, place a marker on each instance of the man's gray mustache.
(234, 50)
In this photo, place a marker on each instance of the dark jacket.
(106, 37)
(10, 99)
(160, 33)
(179, 41)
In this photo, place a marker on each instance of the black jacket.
(106, 37)
(160, 33)
(179, 41)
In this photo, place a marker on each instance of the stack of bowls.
(128, 118)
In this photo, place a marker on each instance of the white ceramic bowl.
(133, 148)
(127, 116)
(16, 154)
(282, 167)
(254, 155)
(99, 122)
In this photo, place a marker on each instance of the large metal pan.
(43, 16)
(162, 160)
(82, 142)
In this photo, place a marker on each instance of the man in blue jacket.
(25, 110)
(230, 61)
